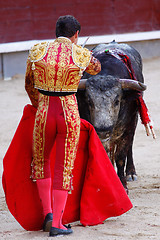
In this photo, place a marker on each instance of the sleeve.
(94, 66)
(29, 85)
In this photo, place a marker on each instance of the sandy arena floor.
(143, 221)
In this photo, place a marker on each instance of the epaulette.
(81, 57)
(38, 52)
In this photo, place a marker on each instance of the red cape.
(98, 193)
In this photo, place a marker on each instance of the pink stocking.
(44, 189)
(59, 203)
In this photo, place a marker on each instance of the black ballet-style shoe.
(47, 224)
(68, 226)
(57, 231)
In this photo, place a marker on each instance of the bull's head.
(104, 98)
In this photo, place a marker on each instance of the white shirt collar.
(65, 38)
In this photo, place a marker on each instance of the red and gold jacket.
(57, 67)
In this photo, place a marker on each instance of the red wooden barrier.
(22, 20)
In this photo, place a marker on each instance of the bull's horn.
(82, 84)
(132, 84)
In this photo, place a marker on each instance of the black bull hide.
(111, 109)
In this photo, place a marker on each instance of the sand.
(142, 222)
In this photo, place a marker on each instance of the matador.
(54, 70)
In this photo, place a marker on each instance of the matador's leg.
(66, 148)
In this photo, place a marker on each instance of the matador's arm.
(94, 66)
(29, 85)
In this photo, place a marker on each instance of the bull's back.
(113, 66)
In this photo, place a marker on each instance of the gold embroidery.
(55, 69)
(69, 104)
(37, 52)
(39, 137)
(81, 57)
(40, 75)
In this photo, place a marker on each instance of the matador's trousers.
(57, 119)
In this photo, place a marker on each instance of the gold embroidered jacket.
(57, 67)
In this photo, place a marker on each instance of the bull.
(108, 101)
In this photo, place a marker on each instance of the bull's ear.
(82, 84)
(132, 84)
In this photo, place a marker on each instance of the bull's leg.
(130, 168)
(120, 157)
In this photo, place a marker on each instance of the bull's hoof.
(131, 178)
(135, 178)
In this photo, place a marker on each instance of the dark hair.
(67, 26)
